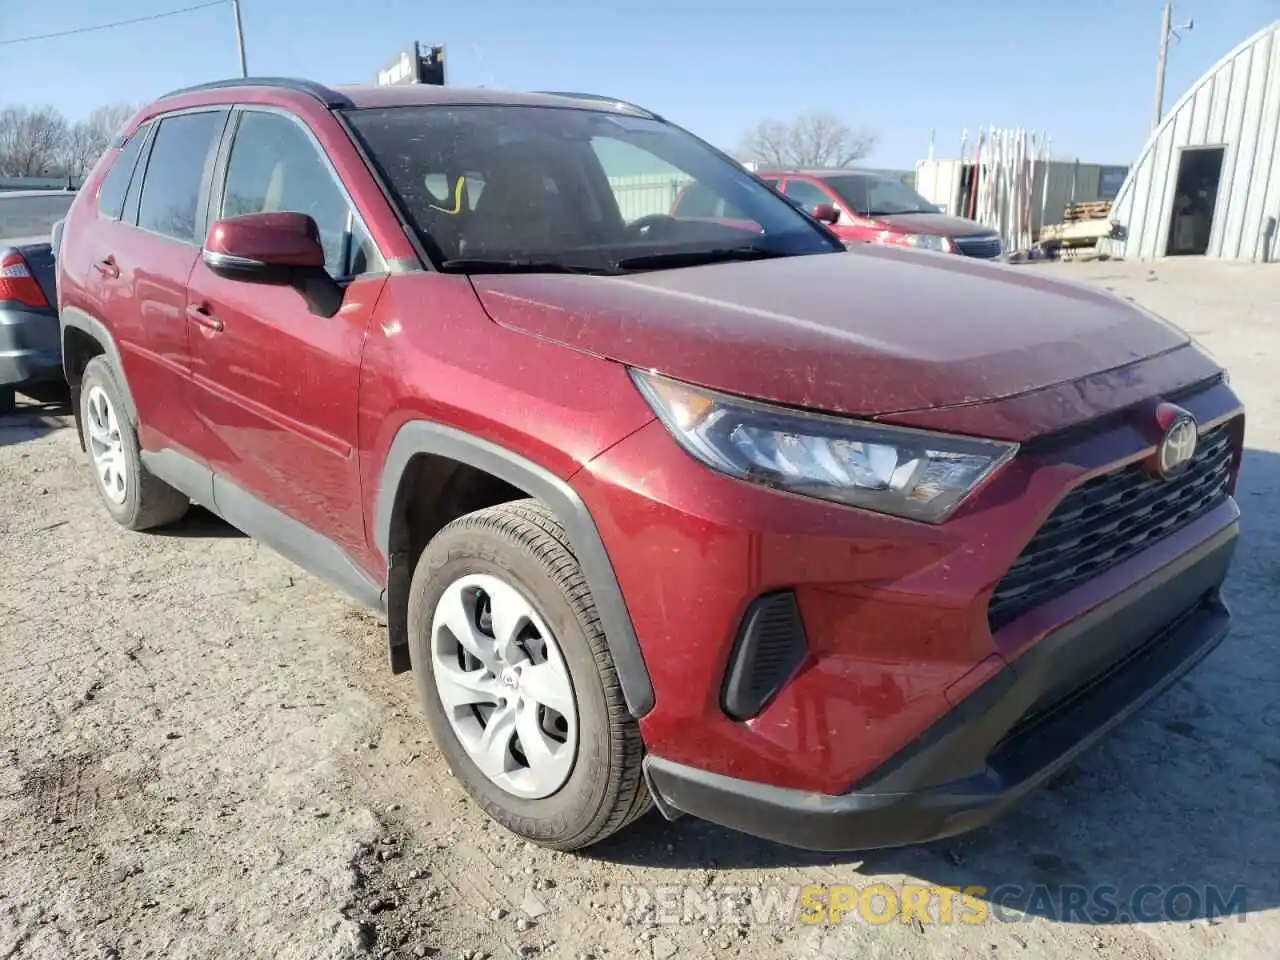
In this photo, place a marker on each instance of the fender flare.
(78, 319)
(424, 437)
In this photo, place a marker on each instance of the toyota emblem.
(1178, 447)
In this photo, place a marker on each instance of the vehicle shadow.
(36, 416)
(199, 523)
(1172, 817)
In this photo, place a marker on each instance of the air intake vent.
(770, 648)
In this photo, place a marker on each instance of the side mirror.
(275, 248)
(826, 213)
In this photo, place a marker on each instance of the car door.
(144, 245)
(276, 385)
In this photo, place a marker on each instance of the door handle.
(201, 315)
(107, 267)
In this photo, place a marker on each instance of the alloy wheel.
(106, 445)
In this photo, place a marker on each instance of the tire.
(8, 401)
(523, 547)
(135, 498)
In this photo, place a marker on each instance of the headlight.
(907, 473)
(926, 241)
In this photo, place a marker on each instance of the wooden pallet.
(1076, 233)
(1087, 210)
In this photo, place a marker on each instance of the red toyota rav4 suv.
(846, 550)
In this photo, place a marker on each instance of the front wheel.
(519, 689)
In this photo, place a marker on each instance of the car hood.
(936, 224)
(873, 331)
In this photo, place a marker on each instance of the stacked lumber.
(1087, 210)
(1075, 239)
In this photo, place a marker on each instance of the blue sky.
(714, 66)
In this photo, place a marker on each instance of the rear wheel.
(135, 498)
(518, 686)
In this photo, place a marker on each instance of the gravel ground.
(205, 757)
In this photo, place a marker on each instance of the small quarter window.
(116, 183)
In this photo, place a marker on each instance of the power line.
(117, 23)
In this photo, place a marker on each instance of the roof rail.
(330, 98)
(598, 98)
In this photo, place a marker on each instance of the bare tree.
(812, 140)
(11, 122)
(32, 140)
(88, 138)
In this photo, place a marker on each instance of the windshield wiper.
(696, 258)
(894, 213)
(501, 265)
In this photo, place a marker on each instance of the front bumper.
(894, 614)
(30, 349)
(1017, 730)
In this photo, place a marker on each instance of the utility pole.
(244, 68)
(1167, 30)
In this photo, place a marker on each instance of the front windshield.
(874, 196)
(28, 217)
(561, 187)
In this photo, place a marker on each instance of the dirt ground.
(204, 756)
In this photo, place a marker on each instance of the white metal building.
(1208, 180)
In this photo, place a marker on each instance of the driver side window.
(807, 194)
(276, 167)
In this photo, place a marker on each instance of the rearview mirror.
(277, 248)
(826, 213)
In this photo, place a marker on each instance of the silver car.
(30, 352)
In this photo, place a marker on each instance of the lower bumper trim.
(879, 814)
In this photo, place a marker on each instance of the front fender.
(419, 437)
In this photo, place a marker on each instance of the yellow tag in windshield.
(457, 199)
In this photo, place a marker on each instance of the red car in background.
(866, 207)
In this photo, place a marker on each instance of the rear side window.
(116, 183)
(181, 159)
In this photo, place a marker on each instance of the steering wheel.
(653, 224)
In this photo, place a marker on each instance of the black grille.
(1107, 520)
(770, 648)
(984, 248)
